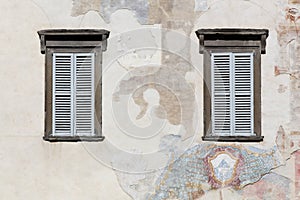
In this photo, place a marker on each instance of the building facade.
(152, 102)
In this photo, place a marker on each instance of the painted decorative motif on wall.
(208, 167)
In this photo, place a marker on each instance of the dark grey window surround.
(235, 41)
(73, 41)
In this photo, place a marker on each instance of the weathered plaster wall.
(152, 104)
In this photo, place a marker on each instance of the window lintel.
(73, 37)
(230, 34)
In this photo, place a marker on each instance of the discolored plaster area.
(81, 7)
(206, 168)
(106, 7)
(271, 186)
(176, 96)
(176, 102)
(288, 39)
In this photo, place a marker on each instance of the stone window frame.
(233, 41)
(73, 41)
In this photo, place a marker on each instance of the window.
(232, 83)
(73, 83)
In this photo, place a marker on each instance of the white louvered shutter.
(84, 97)
(221, 93)
(232, 94)
(243, 91)
(73, 94)
(62, 94)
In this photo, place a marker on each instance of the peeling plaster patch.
(288, 38)
(106, 7)
(176, 96)
(294, 1)
(282, 142)
(159, 11)
(81, 7)
(297, 174)
(170, 143)
(192, 169)
(271, 186)
(294, 141)
(139, 7)
(287, 143)
(169, 41)
(282, 88)
(137, 186)
(201, 5)
(130, 45)
(278, 71)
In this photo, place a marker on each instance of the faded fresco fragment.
(208, 167)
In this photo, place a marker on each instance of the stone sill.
(233, 138)
(73, 139)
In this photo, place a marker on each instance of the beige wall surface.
(152, 104)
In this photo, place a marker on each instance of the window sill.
(233, 138)
(74, 139)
